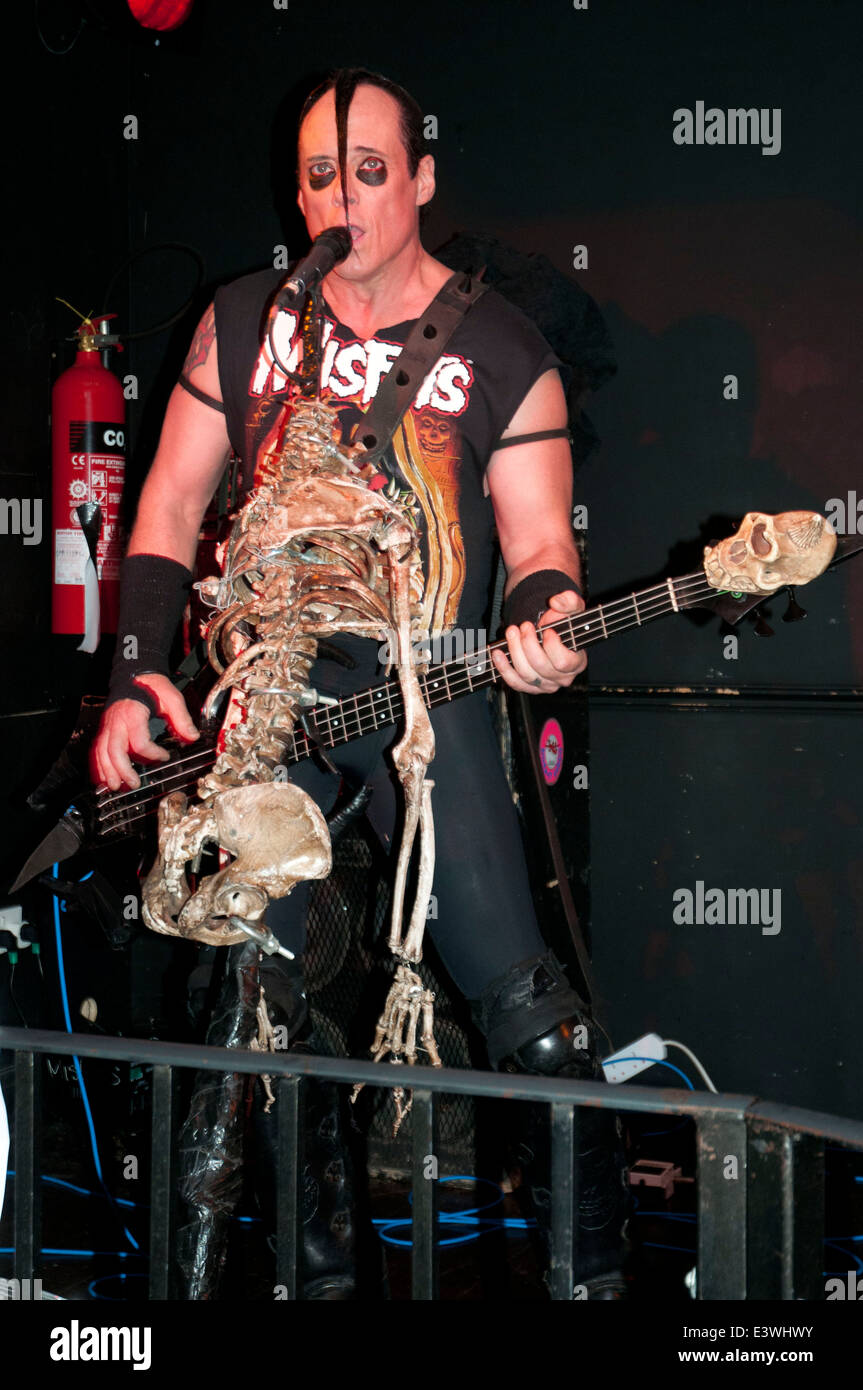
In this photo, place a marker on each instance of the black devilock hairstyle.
(345, 82)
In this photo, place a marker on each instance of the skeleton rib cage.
(318, 548)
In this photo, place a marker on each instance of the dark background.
(555, 129)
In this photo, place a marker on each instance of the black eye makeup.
(365, 174)
(321, 179)
(372, 171)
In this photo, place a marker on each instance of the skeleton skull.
(769, 551)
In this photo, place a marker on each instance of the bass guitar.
(740, 573)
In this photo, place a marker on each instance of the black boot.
(329, 1258)
(603, 1181)
(535, 1023)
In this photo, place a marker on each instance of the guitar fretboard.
(119, 813)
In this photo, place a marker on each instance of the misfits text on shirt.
(353, 369)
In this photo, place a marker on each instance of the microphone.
(328, 249)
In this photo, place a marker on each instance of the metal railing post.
(721, 1185)
(290, 1168)
(26, 1222)
(161, 1185)
(786, 1214)
(424, 1262)
(564, 1200)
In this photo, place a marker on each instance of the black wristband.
(529, 599)
(152, 598)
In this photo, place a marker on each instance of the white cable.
(669, 1042)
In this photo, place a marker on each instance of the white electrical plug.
(621, 1066)
(12, 920)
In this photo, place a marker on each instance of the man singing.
(484, 448)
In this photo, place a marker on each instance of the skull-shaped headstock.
(770, 551)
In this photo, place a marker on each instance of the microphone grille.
(339, 238)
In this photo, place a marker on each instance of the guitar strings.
(116, 815)
(607, 619)
(460, 682)
(439, 685)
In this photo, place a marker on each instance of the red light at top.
(161, 14)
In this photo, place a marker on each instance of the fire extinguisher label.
(70, 556)
(96, 437)
(97, 451)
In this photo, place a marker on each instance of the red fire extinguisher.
(88, 414)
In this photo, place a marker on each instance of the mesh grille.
(348, 973)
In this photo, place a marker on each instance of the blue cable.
(470, 1217)
(660, 1062)
(58, 936)
(849, 1254)
(82, 1191)
(103, 1279)
(120, 1201)
(55, 1251)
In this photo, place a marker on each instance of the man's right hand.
(125, 730)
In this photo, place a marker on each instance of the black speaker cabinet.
(727, 885)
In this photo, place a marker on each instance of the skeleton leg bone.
(412, 947)
(411, 757)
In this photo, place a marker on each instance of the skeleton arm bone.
(411, 757)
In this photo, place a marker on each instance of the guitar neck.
(359, 714)
(328, 725)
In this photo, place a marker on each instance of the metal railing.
(759, 1175)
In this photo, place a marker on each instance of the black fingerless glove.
(153, 595)
(529, 599)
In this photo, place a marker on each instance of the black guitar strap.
(586, 986)
(425, 343)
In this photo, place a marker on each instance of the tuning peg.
(793, 613)
(762, 627)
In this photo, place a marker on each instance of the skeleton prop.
(319, 548)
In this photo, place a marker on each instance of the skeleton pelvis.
(278, 838)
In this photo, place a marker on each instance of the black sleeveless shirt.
(444, 441)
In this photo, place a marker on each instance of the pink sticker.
(551, 751)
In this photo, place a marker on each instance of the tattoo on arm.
(202, 342)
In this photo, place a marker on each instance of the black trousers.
(485, 920)
(485, 924)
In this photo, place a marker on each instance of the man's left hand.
(541, 668)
